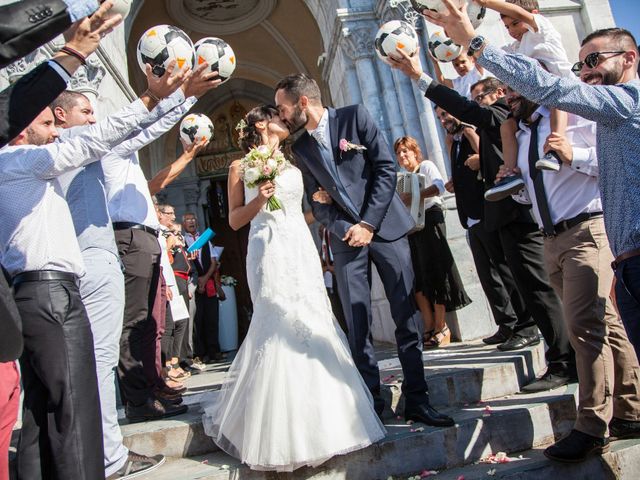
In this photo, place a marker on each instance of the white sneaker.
(550, 162)
(137, 465)
(198, 364)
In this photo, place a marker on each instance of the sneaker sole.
(495, 194)
(594, 451)
(145, 471)
(548, 166)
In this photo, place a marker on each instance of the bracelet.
(148, 93)
(74, 53)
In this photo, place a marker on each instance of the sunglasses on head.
(593, 59)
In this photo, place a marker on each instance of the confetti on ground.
(388, 379)
(487, 411)
(409, 422)
(461, 477)
(427, 473)
(499, 457)
(491, 472)
(224, 467)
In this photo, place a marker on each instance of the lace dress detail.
(292, 396)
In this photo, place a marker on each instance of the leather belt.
(134, 226)
(624, 256)
(43, 275)
(565, 225)
(183, 275)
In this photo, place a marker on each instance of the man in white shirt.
(568, 209)
(136, 227)
(39, 250)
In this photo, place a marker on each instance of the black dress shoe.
(548, 381)
(576, 447)
(517, 342)
(620, 428)
(171, 391)
(168, 399)
(497, 338)
(152, 409)
(428, 415)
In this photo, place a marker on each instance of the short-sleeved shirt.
(433, 177)
(545, 45)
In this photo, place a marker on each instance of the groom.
(343, 153)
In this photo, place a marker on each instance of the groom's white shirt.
(323, 129)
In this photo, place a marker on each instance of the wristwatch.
(476, 44)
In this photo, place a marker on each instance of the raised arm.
(169, 173)
(510, 10)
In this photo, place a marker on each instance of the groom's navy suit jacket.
(368, 177)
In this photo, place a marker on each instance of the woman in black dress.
(438, 285)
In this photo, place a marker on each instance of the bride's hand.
(266, 191)
(321, 196)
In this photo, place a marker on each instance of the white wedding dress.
(292, 396)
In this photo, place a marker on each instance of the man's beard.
(609, 77)
(298, 121)
(34, 138)
(452, 127)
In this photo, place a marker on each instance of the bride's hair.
(249, 136)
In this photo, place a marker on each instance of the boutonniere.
(345, 146)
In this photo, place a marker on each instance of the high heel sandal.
(439, 339)
(428, 336)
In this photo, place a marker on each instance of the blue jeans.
(628, 298)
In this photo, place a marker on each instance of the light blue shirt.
(78, 9)
(616, 111)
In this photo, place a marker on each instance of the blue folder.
(207, 235)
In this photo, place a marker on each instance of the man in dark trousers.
(520, 237)
(343, 152)
(505, 301)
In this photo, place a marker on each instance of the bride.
(292, 396)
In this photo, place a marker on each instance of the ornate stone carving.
(358, 42)
(191, 195)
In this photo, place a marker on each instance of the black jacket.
(469, 190)
(487, 120)
(28, 24)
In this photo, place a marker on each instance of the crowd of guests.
(101, 276)
(546, 250)
(103, 281)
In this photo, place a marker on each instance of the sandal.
(440, 339)
(426, 338)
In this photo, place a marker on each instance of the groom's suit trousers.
(353, 273)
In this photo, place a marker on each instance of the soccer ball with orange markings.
(195, 127)
(443, 48)
(393, 35)
(217, 53)
(163, 43)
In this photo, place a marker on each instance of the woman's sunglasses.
(593, 59)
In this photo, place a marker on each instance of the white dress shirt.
(574, 189)
(545, 45)
(127, 189)
(189, 239)
(433, 177)
(37, 232)
(462, 85)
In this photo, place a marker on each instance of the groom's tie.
(330, 165)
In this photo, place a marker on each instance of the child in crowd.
(469, 73)
(536, 38)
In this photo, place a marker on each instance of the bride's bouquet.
(262, 164)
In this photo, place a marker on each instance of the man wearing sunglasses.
(609, 95)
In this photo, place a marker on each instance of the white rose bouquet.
(263, 164)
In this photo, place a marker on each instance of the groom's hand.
(359, 235)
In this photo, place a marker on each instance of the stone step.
(510, 424)
(622, 462)
(459, 375)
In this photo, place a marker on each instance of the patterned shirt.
(616, 111)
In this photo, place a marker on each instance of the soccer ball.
(217, 53)
(195, 127)
(395, 34)
(433, 5)
(476, 13)
(443, 48)
(121, 7)
(163, 43)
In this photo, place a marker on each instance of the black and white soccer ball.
(476, 13)
(218, 54)
(163, 43)
(195, 127)
(443, 48)
(396, 34)
(433, 5)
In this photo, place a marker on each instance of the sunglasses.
(593, 59)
